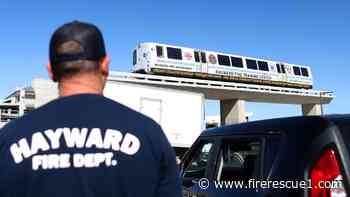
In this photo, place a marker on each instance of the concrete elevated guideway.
(233, 95)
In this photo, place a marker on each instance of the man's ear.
(49, 70)
(105, 66)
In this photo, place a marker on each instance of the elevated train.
(163, 59)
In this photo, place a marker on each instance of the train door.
(204, 64)
(289, 72)
(201, 61)
(281, 68)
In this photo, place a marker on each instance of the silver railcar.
(163, 59)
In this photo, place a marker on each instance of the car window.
(197, 166)
(238, 160)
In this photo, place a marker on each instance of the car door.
(237, 161)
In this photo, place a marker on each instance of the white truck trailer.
(180, 113)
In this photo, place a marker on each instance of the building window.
(251, 64)
(28, 109)
(174, 53)
(304, 72)
(263, 66)
(224, 60)
(159, 50)
(296, 70)
(237, 62)
(29, 95)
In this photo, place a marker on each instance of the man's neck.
(80, 85)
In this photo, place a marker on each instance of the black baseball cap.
(87, 35)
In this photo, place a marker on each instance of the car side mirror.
(178, 161)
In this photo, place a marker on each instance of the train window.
(283, 68)
(304, 72)
(251, 64)
(224, 60)
(296, 70)
(237, 62)
(278, 68)
(134, 57)
(159, 51)
(263, 66)
(174, 53)
(196, 56)
(203, 57)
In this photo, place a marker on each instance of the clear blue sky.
(313, 33)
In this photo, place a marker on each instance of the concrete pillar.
(311, 109)
(232, 111)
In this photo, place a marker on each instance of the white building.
(16, 104)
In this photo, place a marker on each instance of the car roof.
(290, 126)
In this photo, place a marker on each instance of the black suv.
(298, 156)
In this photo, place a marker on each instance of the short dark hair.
(68, 69)
(76, 47)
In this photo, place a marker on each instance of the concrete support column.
(311, 109)
(232, 111)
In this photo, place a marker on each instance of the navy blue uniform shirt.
(86, 146)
